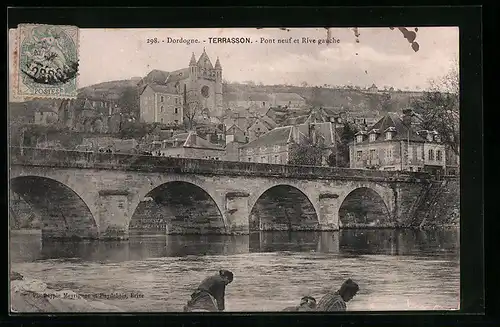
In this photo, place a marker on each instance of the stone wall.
(113, 187)
(441, 206)
(77, 159)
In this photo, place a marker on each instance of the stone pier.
(113, 214)
(237, 212)
(329, 211)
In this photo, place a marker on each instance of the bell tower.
(190, 94)
(218, 86)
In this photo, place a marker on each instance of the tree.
(135, 130)
(190, 113)
(304, 84)
(439, 108)
(308, 152)
(129, 100)
(341, 158)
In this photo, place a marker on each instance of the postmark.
(47, 63)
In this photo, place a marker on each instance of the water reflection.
(139, 247)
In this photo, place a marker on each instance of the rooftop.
(393, 122)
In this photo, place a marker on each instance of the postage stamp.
(47, 61)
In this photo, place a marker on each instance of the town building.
(288, 100)
(277, 146)
(45, 116)
(161, 104)
(235, 134)
(393, 144)
(373, 89)
(248, 100)
(188, 145)
(260, 126)
(199, 87)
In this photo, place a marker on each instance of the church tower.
(218, 86)
(190, 95)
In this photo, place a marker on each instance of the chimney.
(193, 137)
(407, 117)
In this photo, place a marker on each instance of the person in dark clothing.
(209, 296)
(336, 301)
(307, 303)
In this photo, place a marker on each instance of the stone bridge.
(103, 195)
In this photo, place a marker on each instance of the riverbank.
(32, 295)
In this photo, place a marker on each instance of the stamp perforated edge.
(28, 97)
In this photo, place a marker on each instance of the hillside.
(126, 93)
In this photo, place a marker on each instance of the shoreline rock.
(32, 295)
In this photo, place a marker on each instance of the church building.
(192, 92)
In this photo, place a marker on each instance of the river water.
(395, 269)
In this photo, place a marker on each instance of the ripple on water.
(264, 281)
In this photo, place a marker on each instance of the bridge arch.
(64, 212)
(177, 205)
(366, 205)
(283, 206)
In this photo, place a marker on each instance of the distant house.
(248, 100)
(277, 146)
(161, 104)
(393, 144)
(235, 134)
(214, 133)
(362, 118)
(45, 116)
(289, 100)
(189, 145)
(373, 88)
(260, 126)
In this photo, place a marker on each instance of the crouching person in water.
(209, 296)
(336, 301)
(307, 303)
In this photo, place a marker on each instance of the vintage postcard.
(46, 61)
(234, 169)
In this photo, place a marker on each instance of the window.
(389, 154)
(161, 109)
(372, 137)
(388, 135)
(438, 155)
(359, 154)
(359, 138)
(372, 154)
(162, 98)
(176, 121)
(161, 120)
(431, 154)
(423, 154)
(264, 103)
(249, 159)
(263, 159)
(414, 154)
(176, 100)
(276, 148)
(176, 110)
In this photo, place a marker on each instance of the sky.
(382, 56)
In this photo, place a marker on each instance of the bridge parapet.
(118, 161)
